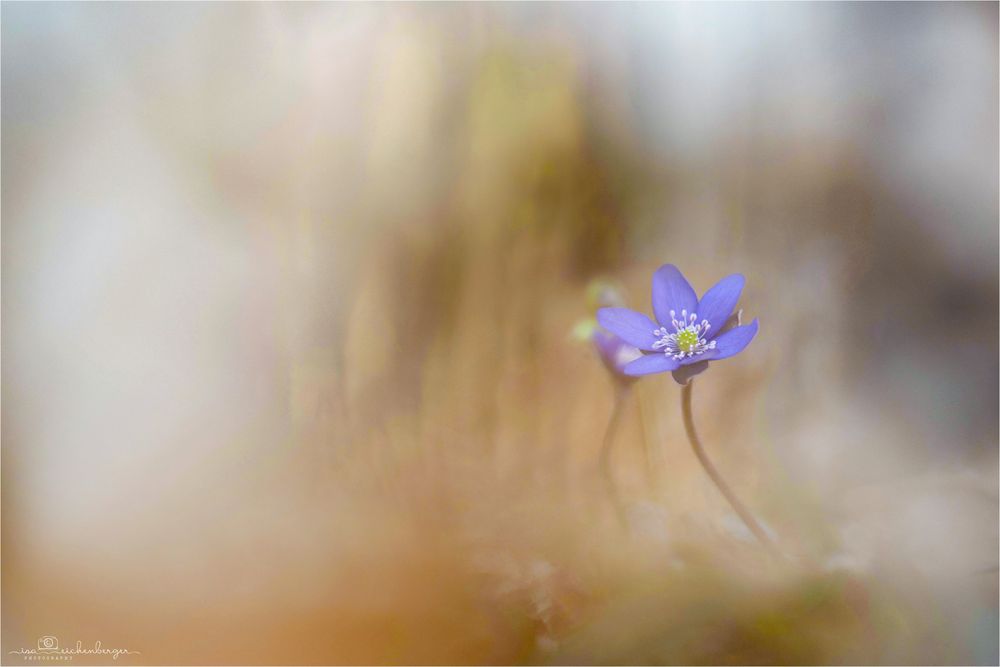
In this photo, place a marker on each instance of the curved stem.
(720, 483)
(621, 394)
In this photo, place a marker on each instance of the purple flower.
(688, 333)
(615, 353)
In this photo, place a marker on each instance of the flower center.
(688, 339)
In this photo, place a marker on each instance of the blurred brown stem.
(652, 461)
(720, 483)
(621, 396)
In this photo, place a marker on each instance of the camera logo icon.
(48, 643)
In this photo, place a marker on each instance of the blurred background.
(290, 293)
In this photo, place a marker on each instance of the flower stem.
(649, 454)
(713, 473)
(621, 396)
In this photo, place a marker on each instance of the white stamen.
(692, 341)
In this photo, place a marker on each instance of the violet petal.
(651, 363)
(718, 302)
(733, 341)
(632, 327)
(672, 291)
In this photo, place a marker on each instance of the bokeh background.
(289, 301)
